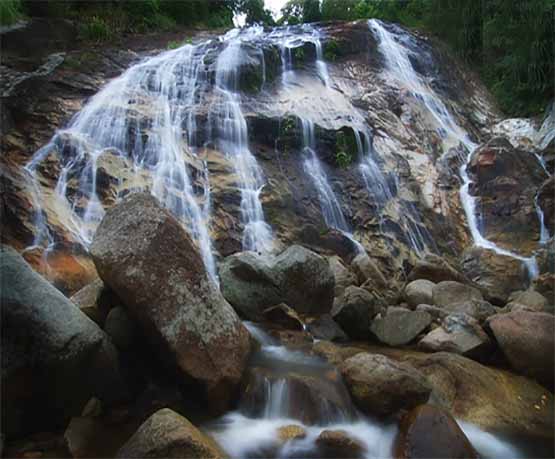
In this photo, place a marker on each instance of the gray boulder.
(54, 358)
(459, 334)
(450, 292)
(344, 277)
(144, 255)
(529, 300)
(365, 269)
(399, 326)
(419, 292)
(354, 311)
(325, 328)
(305, 280)
(478, 309)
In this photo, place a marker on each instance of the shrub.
(10, 11)
(95, 29)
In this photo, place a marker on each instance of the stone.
(431, 432)
(96, 300)
(121, 328)
(291, 432)
(382, 386)
(399, 326)
(344, 277)
(495, 400)
(527, 340)
(365, 269)
(305, 280)
(167, 434)
(283, 315)
(434, 311)
(478, 309)
(81, 435)
(546, 200)
(532, 300)
(435, 269)
(92, 409)
(247, 283)
(325, 328)
(354, 311)
(54, 358)
(418, 292)
(338, 444)
(451, 292)
(147, 258)
(459, 333)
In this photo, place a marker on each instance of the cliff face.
(389, 118)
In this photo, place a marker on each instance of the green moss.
(345, 148)
(331, 51)
(174, 44)
(298, 54)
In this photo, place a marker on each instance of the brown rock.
(144, 255)
(166, 434)
(283, 315)
(431, 432)
(291, 432)
(338, 444)
(435, 269)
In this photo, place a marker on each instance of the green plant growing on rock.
(343, 155)
(96, 29)
(298, 54)
(331, 51)
(10, 11)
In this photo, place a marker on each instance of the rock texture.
(400, 326)
(54, 358)
(354, 311)
(382, 386)
(166, 434)
(450, 292)
(418, 292)
(144, 255)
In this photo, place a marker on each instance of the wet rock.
(144, 255)
(166, 434)
(283, 315)
(383, 386)
(527, 339)
(419, 292)
(247, 283)
(95, 300)
(431, 432)
(333, 353)
(354, 311)
(460, 334)
(366, 269)
(121, 328)
(546, 200)
(344, 277)
(435, 269)
(291, 432)
(493, 399)
(325, 328)
(498, 275)
(338, 444)
(451, 292)
(399, 326)
(54, 358)
(305, 280)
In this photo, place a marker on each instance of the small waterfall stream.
(400, 68)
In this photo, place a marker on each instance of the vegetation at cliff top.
(510, 43)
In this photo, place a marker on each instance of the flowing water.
(396, 52)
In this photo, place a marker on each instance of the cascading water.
(398, 65)
(233, 140)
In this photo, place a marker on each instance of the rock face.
(354, 311)
(248, 284)
(460, 334)
(144, 255)
(167, 434)
(305, 280)
(493, 399)
(505, 180)
(450, 292)
(435, 269)
(419, 292)
(431, 432)
(382, 386)
(400, 326)
(528, 341)
(54, 358)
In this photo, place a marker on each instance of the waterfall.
(233, 141)
(399, 67)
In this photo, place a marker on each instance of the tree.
(255, 12)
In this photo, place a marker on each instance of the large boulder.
(54, 358)
(305, 280)
(344, 277)
(382, 386)
(419, 292)
(451, 292)
(493, 399)
(527, 339)
(530, 300)
(95, 300)
(247, 283)
(167, 434)
(144, 255)
(478, 309)
(354, 311)
(435, 269)
(431, 432)
(365, 269)
(399, 326)
(337, 444)
(459, 333)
